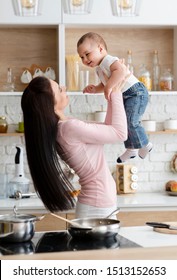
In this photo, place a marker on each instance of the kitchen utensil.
(113, 212)
(19, 182)
(77, 224)
(94, 228)
(19, 195)
(166, 228)
(17, 227)
(73, 223)
(161, 225)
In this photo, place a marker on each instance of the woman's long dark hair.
(40, 123)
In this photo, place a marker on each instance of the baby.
(92, 50)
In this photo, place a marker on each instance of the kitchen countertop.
(154, 246)
(127, 202)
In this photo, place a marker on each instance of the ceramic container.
(149, 125)
(170, 125)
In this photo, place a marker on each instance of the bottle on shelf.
(130, 61)
(145, 77)
(9, 86)
(72, 72)
(155, 71)
(166, 80)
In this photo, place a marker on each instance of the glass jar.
(72, 75)
(166, 80)
(3, 124)
(145, 77)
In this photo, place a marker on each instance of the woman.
(50, 135)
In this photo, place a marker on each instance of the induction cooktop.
(61, 241)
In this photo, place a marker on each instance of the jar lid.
(166, 75)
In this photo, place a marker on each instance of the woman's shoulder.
(70, 123)
(71, 128)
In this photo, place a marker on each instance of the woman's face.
(60, 96)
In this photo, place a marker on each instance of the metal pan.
(94, 228)
(17, 227)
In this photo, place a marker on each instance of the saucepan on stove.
(93, 227)
(17, 227)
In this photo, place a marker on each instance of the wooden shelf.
(151, 93)
(148, 132)
(162, 132)
(12, 134)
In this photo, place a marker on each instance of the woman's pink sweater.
(83, 146)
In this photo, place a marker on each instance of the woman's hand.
(120, 85)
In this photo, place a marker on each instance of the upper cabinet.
(28, 41)
(51, 14)
(152, 12)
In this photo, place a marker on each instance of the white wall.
(154, 171)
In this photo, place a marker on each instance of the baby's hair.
(94, 36)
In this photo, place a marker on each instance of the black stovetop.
(61, 242)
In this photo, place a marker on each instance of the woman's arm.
(115, 127)
(94, 133)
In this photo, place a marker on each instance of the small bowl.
(170, 125)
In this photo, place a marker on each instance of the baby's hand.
(89, 89)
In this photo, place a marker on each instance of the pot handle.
(39, 218)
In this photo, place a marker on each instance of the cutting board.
(166, 230)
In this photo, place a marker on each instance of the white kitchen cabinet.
(51, 14)
(152, 13)
(153, 17)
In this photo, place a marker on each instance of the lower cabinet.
(50, 223)
(135, 218)
(127, 219)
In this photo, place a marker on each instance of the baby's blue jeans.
(135, 102)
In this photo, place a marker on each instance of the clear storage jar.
(3, 124)
(166, 80)
(145, 77)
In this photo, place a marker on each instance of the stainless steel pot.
(94, 228)
(17, 227)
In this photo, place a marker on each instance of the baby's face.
(91, 53)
